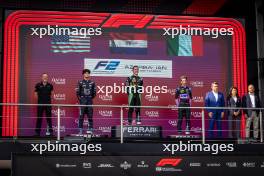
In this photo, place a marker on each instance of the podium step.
(185, 136)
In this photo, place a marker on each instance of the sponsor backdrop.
(137, 165)
(110, 57)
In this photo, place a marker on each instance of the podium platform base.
(189, 136)
(78, 137)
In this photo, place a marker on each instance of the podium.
(137, 131)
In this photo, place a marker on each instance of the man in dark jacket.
(251, 100)
(43, 92)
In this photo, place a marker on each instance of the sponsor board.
(123, 67)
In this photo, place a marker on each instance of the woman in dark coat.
(234, 115)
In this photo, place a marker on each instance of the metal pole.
(121, 126)
(261, 126)
(203, 127)
(260, 44)
(58, 124)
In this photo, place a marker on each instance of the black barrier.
(179, 148)
(137, 165)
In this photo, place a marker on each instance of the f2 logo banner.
(123, 67)
(169, 161)
(107, 65)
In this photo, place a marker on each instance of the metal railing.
(122, 107)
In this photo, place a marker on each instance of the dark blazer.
(230, 102)
(210, 101)
(246, 103)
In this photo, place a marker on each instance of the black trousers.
(40, 112)
(134, 102)
(234, 125)
(86, 110)
(184, 113)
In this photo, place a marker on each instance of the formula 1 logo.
(168, 165)
(169, 161)
(139, 21)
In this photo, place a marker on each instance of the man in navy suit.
(215, 99)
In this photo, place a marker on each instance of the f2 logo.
(108, 65)
(169, 161)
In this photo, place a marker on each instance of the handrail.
(203, 108)
(127, 106)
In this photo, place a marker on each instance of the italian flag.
(185, 45)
